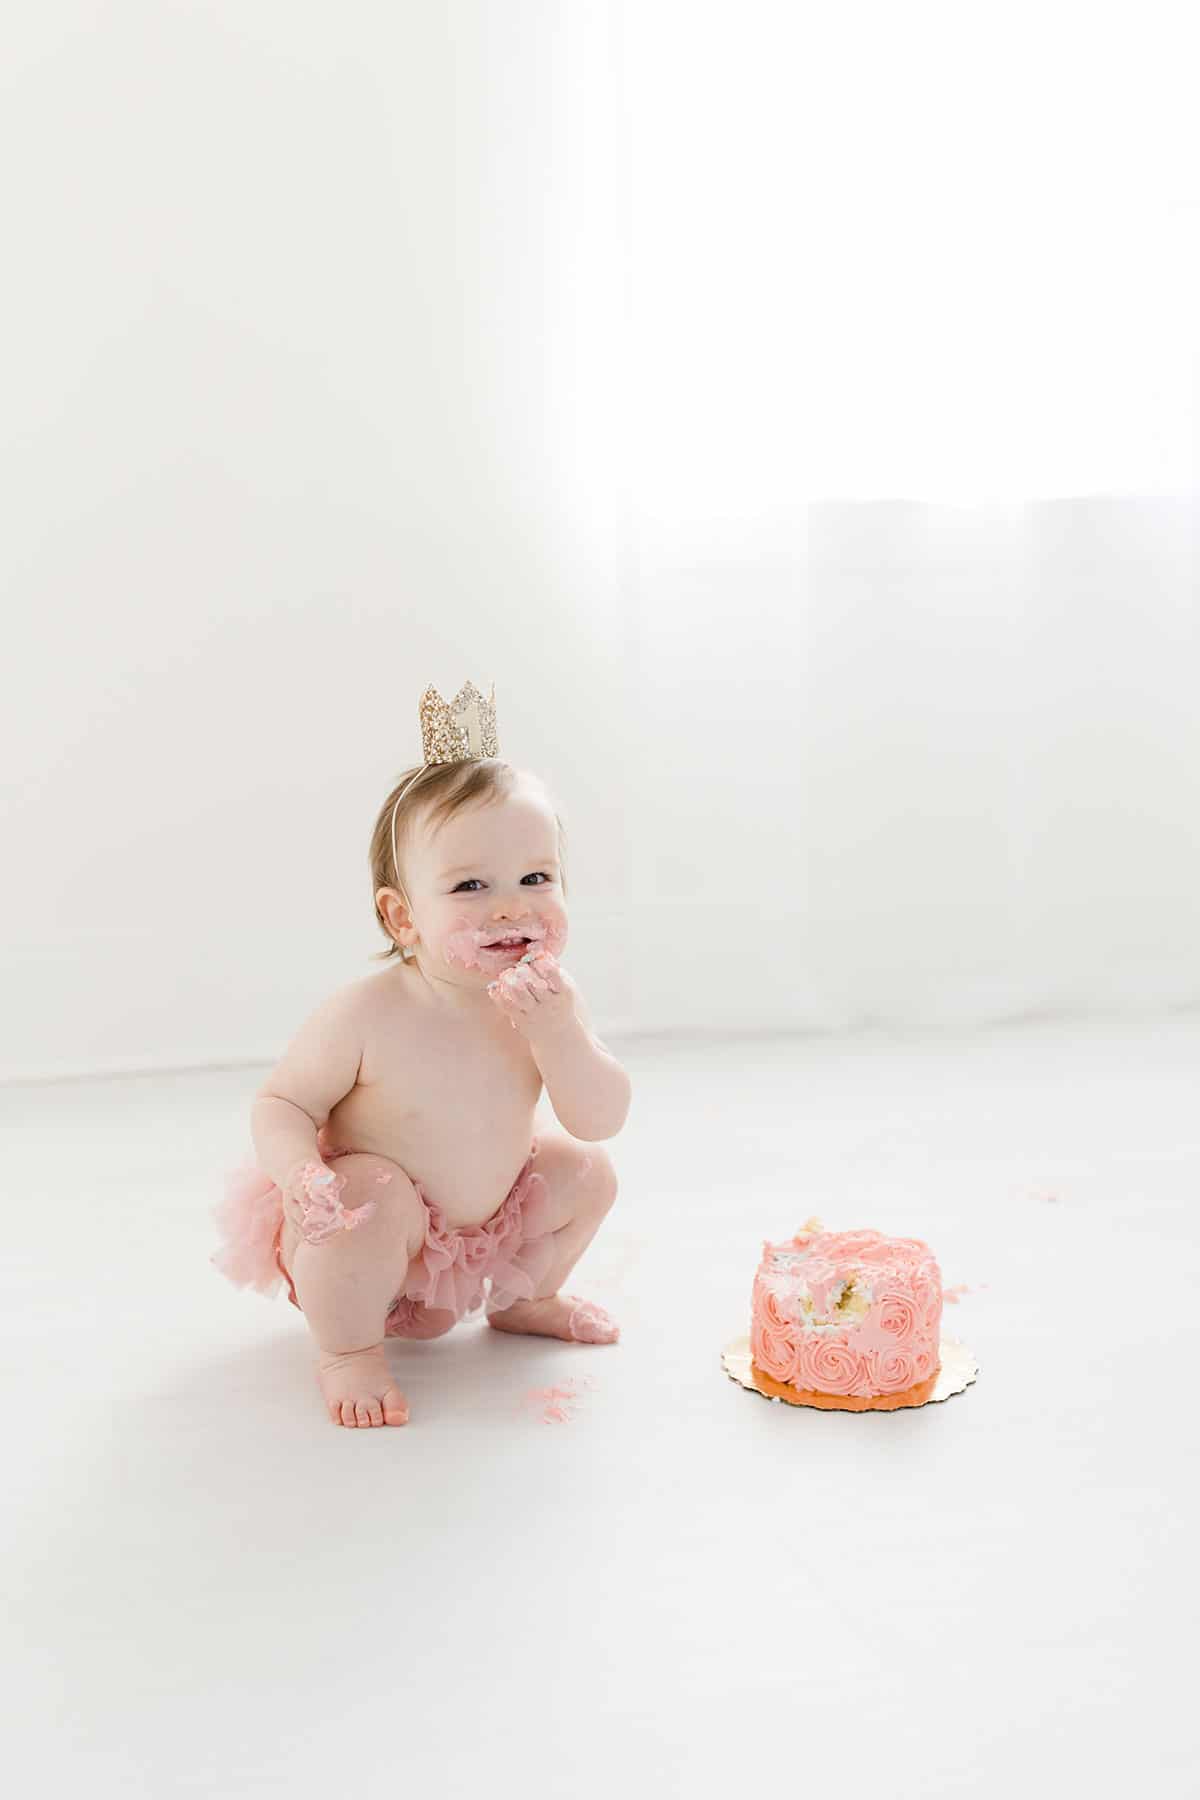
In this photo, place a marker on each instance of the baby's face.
(489, 876)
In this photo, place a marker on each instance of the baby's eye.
(537, 875)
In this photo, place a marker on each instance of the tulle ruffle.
(456, 1272)
(501, 1261)
(248, 1218)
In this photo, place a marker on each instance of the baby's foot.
(560, 1316)
(359, 1389)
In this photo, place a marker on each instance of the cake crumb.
(556, 1405)
(953, 1294)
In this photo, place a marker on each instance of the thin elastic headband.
(395, 809)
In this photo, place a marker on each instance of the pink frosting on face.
(850, 1312)
(463, 943)
(554, 931)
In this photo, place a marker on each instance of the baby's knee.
(601, 1178)
(397, 1202)
(369, 1194)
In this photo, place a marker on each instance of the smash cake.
(848, 1317)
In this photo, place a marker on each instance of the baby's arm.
(318, 1068)
(588, 1088)
(586, 1085)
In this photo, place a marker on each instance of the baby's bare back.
(448, 1096)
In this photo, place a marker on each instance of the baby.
(398, 1184)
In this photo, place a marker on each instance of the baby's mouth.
(514, 945)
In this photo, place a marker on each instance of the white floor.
(212, 1590)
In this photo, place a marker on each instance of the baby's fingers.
(512, 999)
(544, 967)
(521, 980)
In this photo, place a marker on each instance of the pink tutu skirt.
(504, 1259)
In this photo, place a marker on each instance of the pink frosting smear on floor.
(556, 1405)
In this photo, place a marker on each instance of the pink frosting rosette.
(897, 1315)
(773, 1350)
(776, 1309)
(830, 1367)
(891, 1371)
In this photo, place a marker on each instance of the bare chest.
(450, 1100)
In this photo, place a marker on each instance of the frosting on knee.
(316, 1194)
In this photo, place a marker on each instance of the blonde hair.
(439, 791)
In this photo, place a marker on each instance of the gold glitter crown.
(464, 730)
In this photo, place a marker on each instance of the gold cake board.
(957, 1371)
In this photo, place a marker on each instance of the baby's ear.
(394, 910)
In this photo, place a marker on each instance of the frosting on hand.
(535, 994)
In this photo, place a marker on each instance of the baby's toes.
(359, 1390)
(395, 1407)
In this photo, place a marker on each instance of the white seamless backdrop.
(807, 453)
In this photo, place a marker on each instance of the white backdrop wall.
(349, 353)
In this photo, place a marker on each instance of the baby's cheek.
(555, 924)
(459, 946)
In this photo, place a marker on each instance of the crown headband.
(463, 731)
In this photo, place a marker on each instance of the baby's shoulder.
(386, 1013)
(381, 994)
(349, 1008)
(359, 994)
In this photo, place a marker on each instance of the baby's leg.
(347, 1283)
(583, 1186)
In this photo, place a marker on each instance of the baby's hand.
(312, 1201)
(536, 996)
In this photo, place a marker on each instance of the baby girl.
(398, 1184)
